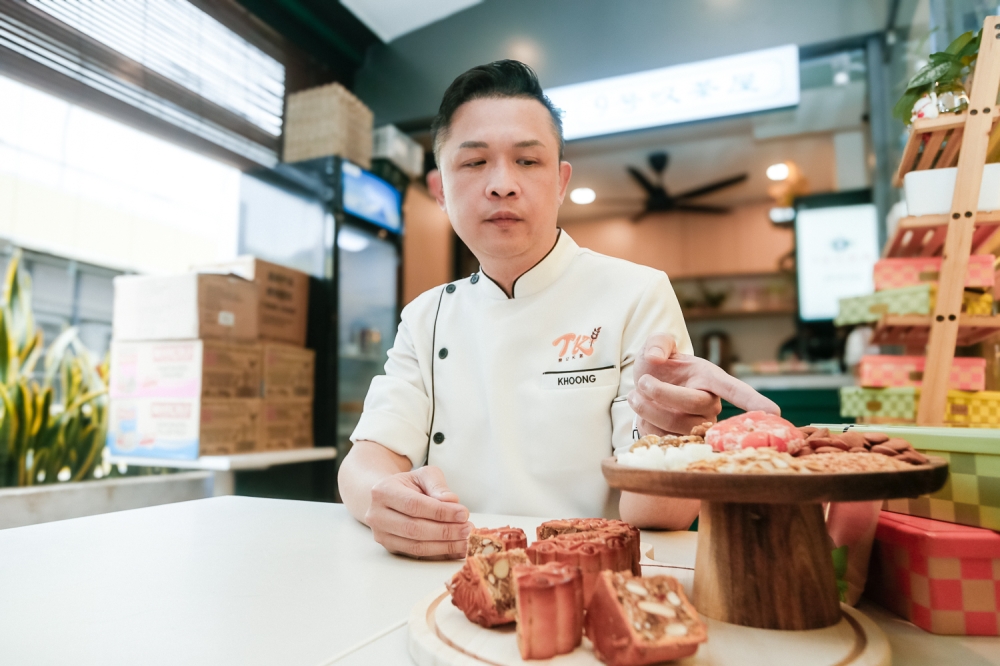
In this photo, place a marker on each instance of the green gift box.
(971, 495)
(915, 300)
(899, 402)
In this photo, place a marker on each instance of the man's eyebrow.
(474, 144)
(528, 144)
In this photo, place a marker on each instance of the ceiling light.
(841, 79)
(777, 171)
(350, 240)
(582, 195)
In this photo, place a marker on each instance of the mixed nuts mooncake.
(549, 609)
(483, 589)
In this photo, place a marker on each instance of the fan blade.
(711, 187)
(697, 208)
(642, 180)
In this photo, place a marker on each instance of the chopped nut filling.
(653, 607)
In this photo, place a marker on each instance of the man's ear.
(565, 172)
(436, 187)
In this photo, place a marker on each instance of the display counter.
(803, 399)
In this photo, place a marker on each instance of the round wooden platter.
(440, 635)
(779, 488)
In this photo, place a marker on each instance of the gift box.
(944, 578)
(916, 300)
(971, 496)
(967, 374)
(898, 272)
(977, 409)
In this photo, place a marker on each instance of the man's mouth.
(503, 217)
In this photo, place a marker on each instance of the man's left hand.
(675, 392)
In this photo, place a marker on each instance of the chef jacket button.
(438, 437)
(475, 278)
(450, 288)
(443, 353)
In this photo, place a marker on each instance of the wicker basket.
(328, 120)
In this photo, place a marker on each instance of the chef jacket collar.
(542, 274)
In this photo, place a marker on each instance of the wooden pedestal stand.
(936, 143)
(763, 553)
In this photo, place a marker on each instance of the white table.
(239, 580)
(224, 468)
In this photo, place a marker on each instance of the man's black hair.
(503, 78)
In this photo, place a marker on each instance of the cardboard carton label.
(289, 372)
(185, 369)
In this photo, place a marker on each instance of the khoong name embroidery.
(576, 379)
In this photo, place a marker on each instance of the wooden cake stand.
(763, 552)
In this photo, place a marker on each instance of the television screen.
(370, 198)
(835, 253)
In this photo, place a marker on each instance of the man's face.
(500, 178)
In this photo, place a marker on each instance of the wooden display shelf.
(914, 330)
(933, 144)
(924, 235)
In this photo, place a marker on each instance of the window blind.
(165, 58)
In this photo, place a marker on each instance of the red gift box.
(943, 577)
(905, 272)
(967, 374)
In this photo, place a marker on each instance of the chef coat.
(519, 399)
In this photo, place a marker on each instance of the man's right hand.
(414, 514)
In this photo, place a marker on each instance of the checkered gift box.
(967, 374)
(977, 409)
(870, 308)
(916, 300)
(944, 578)
(899, 272)
(971, 495)
(897, 402)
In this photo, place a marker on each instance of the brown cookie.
(898, 444)
(884, 450)
(820, 432)
(875, 437)
(829, 449)
(855, 439)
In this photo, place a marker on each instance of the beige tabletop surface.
(238, 580)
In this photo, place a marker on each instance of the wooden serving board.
(440, 635)
(779, 488)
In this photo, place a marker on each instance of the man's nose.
(502, 183)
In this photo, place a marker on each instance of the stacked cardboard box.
(328, 120)
(211, 363)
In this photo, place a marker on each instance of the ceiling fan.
(658, 200)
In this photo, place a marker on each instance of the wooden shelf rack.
(950, 140)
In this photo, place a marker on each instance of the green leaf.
(904, 107)
(960, 43)
(931, 74)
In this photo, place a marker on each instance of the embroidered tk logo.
(576, 346)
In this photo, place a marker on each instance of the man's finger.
(738, 393)
(659, 347)
(419, 529)
(677, 398)
(411, 502)
(430, 550)
(431, 481)
(667, 417)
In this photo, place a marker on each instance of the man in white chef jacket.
(505, 390)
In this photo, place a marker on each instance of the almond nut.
(489, 550)
(486, 542)
(677, 630)
(491, 578)
(820, 432)
(673, 598)
(636, 588)
(875, 437)
(854, 439)
(897, 444)
(501, 568)
(829, 449)
(654, 608)
(884, 450)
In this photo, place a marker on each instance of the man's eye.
(527, 162)
(476, 163)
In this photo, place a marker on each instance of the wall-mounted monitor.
(370, 198)
(836, 247)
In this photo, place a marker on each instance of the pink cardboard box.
(967, 374)
(945, 578)
(909, 271)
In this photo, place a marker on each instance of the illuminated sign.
(728, 86)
